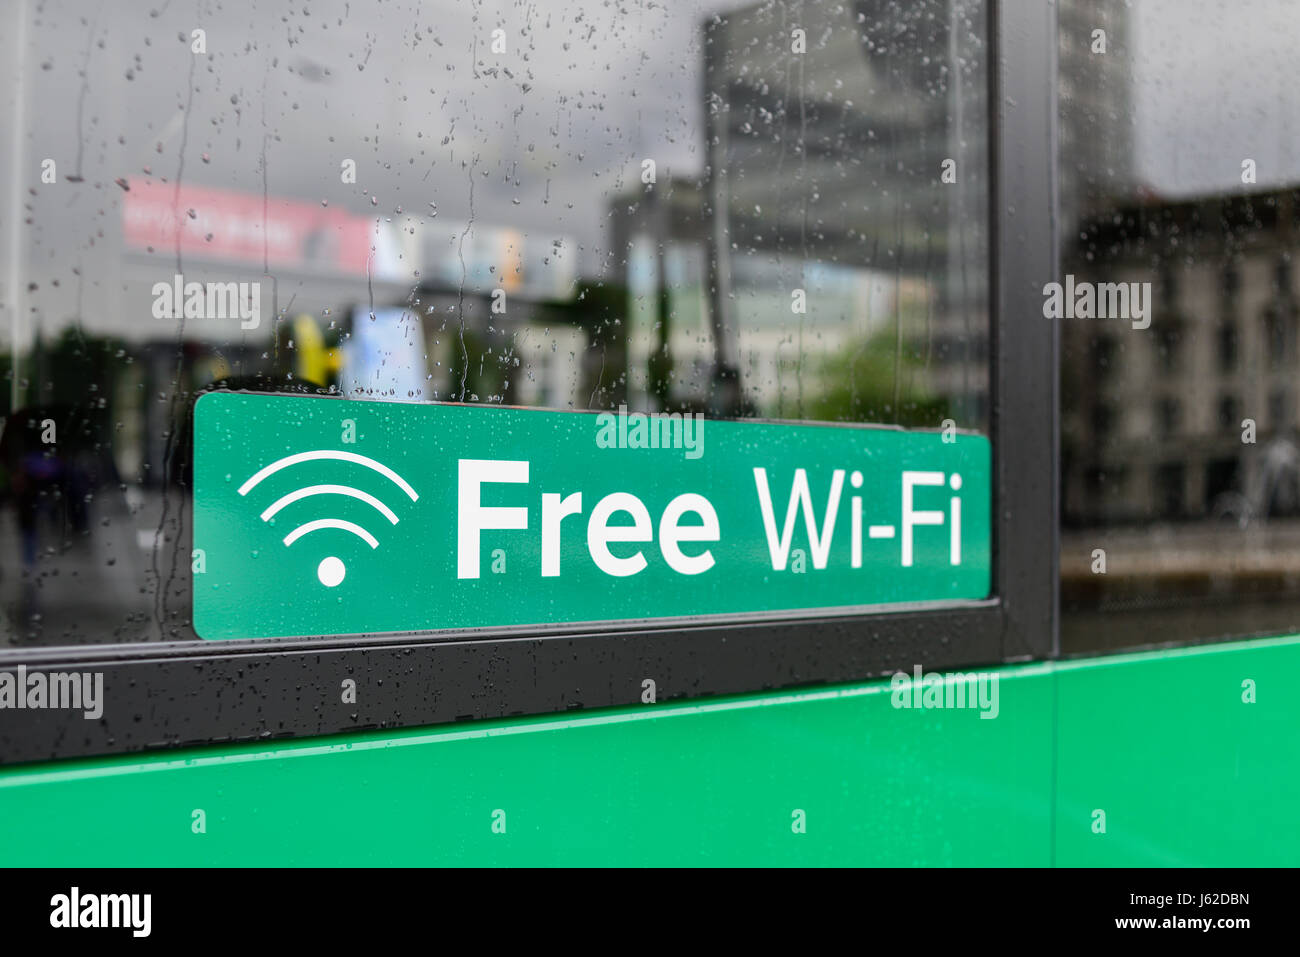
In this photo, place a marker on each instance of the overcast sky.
(548, 132)
(1215, 83)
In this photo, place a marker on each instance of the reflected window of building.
(1229, 414)
(1228, 338)
(1168, 416)
(1279, 410)
(1169, 346)
(1105, 356)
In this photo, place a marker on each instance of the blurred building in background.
(1194, 417)
(832, 263)
(1152, 419)
(1180, 460)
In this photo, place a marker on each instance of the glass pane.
(1181, 469)
(775, 210)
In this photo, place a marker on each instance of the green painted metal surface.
(1186, 771)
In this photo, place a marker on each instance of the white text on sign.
(473, 518)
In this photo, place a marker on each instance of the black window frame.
(199, 693)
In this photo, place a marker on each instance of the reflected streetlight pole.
(17, 289)
(725, 392)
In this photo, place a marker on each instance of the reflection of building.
(837, 155)
(783, 370)
(310, 263)
(827, 131)
(1153, 420)
(825, 173)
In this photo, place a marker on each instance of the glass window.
(770, 210)
(1197, 213)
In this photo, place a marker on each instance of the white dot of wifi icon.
(331, 571)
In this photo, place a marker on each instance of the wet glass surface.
(771, 210)
(1180, 479)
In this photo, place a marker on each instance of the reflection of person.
(35, 471)
(42, 474)
(39, 473)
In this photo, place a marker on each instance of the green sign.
(329, 516)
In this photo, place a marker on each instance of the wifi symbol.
(331, 570)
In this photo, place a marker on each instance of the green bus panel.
(1185, 770)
